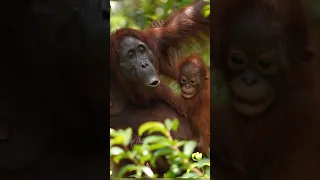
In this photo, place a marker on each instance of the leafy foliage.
(179, 154)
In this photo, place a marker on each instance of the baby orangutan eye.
(193, 82)
(183, 80)
(237, 60)
(267, 66)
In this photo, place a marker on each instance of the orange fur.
(198, 108)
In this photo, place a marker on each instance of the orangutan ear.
(206, 79)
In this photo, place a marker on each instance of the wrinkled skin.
(137, 63)
(253, 67)
(189, 81)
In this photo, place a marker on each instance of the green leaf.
(175, 125)
(116, 151)
(169, 174)
(125, 169)
(112, 132)
(159, 145)
(189, 148)
(168, 124)
(204, 162)
(139, 172)
(148, 171)
(206, 10)
(207, 172)
(119, 157)
(189, 175)
(157, 126)
(162, 152)
(159, 153)
(154, 139)
(131, 154)
(168, 5)
(175, 169)
(181, 143)
(117, 140)
(145, 158)
(127, 136)
(193, 165)
(196, 156)
(137, 148)
(176, 159)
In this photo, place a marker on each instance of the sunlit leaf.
(193, 165)
(203, 162)
(189, 175)
(175, 169)
(125, 169)
(169, 174)
(196, 156)
(189, 148)
(116, 151)
(148, 171)
(119, 157)
(175, 125)
(127, 136)
(159, 145)
(117, 140)
(152, 125)
(154, 139)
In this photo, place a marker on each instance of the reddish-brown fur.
(180, 28)
(283, 144)
(198, 108)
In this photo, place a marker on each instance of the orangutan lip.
(249, 101)
(187, 93)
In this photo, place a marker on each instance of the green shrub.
(179, 154)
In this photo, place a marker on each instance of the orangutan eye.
(141, 48)
(130, 53)
(237, 60)
(193, 82)
(267, 66)
(183, 80)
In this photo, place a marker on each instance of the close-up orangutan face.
(189, 80)
(253, 63)
(137, 62)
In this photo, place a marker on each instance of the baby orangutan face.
(189, 80)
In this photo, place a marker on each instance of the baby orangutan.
(195, 90)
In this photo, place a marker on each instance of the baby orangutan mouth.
(188, 93)
(252, 106)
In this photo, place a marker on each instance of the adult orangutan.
(195, 89)
(135, 61)
(267, 128)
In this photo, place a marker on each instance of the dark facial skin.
(189, 81)
(137, 63)
(253, 64)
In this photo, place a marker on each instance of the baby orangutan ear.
(206, 79)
